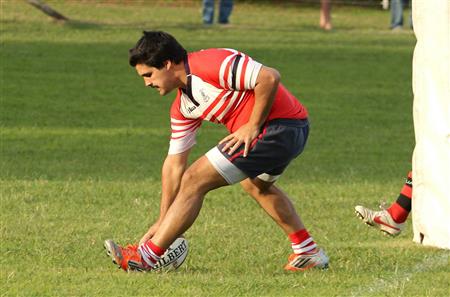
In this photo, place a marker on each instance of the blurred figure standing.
(225, 8)
(397, 7)
(325, 15)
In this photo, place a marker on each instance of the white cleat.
(379, 219)
(314, 259)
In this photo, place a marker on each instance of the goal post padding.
(431, 112)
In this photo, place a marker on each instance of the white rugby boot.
(379, 219)
(314, 259)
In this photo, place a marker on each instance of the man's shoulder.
(211, 54)
(207, 63)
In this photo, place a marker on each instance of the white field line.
(399, 280)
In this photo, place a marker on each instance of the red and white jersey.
(219, 89)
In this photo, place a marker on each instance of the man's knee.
(198, 180)
(190, 182)
(256, 187)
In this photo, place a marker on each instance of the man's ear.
(168, 64)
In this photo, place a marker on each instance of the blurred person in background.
(225, 8)
(325, 15)
(397, 7)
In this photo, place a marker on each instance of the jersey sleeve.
(227, 68)
(184, 130)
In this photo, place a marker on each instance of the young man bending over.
(268, 128)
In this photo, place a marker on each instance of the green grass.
(82, 143)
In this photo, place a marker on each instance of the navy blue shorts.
(280, 141)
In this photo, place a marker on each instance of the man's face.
(161, 79)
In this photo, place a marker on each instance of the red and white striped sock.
(302, 242)
(150, 253)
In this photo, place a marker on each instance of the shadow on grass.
(194, 27)
(82, 25)
(188, 26)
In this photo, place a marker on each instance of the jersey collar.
(188, 90)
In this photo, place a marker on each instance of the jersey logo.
(191, 108)
(205, 96)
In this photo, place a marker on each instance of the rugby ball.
(174, 255)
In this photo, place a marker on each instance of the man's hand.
(265, 89)
(244, 135)
(151, 231)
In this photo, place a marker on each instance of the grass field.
(82, 143)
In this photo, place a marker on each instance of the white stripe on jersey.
(239, 102)
(239, 72)
(181, 133)
(231, 50)
(230, 104)
(251, 74)
(179, 145)
(237, 78)
(178, 127)
(181, 122)
(221, 102)
(223, 66)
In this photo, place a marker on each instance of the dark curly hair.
(156, 47)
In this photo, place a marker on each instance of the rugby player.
(268, 128)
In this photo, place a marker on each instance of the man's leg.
(278, 205)
(408, 4)
(400, 209)
(396, 14)
(391, 220)
(325, 15)
(208, 11)
(197, 180)
(226, 6)
(200, 178)
(275, 202)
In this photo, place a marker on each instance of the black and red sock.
(401, 208)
